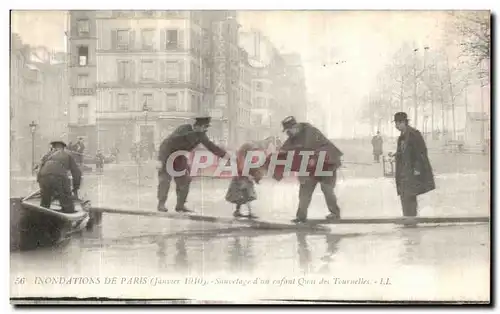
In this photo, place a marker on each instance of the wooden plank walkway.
(310, 224)
(254, 223)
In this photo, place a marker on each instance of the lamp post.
(33, 127)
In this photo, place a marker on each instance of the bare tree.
(474, 36)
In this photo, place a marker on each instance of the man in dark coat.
(185, 138)
(377, 144)
(305, 137)
(414, 174)
(53, 177)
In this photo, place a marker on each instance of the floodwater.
(161, 258)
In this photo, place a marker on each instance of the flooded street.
(207, 259)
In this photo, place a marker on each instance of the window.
(172, 70)
(147, 99)
(171, 101)
(194, 106)
(122, 39)
(123, 102)
(147, 38)
(83, 55)
(83, 114)
(172, 39)
(123, 71)
(83, 27)
(147, 70)
(82, 81)
(258, 86)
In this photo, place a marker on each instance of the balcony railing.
(76, 91)
(83, 121)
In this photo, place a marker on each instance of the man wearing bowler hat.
(53, 177)
(414, 174)
(306, 137)
(185, 138)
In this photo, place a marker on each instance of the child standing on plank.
(241, 190)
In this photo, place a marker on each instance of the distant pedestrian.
(99, 161)
(377, 144)
(414, 174)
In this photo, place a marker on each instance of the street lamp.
(33, 127)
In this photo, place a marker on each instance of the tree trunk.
(452, 99)
(415, 100)
(401, 94)
(432, 114)
(442, 110)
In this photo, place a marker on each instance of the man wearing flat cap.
(53, 177)
(306, 137)
(185, 138)
(414, 175)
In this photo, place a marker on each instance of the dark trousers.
(376, 157)
(58, 187)
(182, 187)
(306, 190)
(409, 204)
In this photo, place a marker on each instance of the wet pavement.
(424, 263)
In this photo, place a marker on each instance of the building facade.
(278, 88)
(38, 93)
(150, 71)
(137, 75)
(82, 78)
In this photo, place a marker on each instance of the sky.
(365, 40)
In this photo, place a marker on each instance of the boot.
(182, 209)
(333, 216)
(161, 207)
(299, 220)
(237, 213)
(250, 215)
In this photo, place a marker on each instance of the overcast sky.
(365, 40)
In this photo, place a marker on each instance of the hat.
(203, 121)
(288, 122)
(56, 142)
(400, 116)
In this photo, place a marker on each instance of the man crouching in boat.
(306, 137)
(53, 177)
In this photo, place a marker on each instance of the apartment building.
(82, 75)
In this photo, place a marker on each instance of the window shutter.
(163, 69)
(132, 65)
(163, 35)
(181, 39)
(182, 72)
(131, 40)
(114, 34)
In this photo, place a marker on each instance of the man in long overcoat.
(185, 138)
(306, 137)
(414, 174)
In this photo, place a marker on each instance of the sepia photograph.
(250, 157)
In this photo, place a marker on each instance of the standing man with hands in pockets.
(414, 174)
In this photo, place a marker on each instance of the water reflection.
(181, 256)
(241, 258)
(303, 252)
(181, 262)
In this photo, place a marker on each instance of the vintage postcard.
(211, 156)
